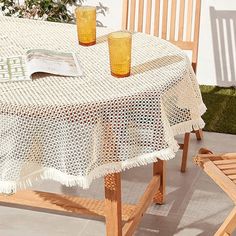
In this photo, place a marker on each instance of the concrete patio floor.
(194, 204)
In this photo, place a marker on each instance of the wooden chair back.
(177, 21)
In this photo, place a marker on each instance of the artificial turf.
(221, 109)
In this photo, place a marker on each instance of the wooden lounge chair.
(188, 20)
(222, 169)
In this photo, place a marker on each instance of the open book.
(20, 68)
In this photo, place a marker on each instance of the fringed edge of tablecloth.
(10, 187)
(189, 126)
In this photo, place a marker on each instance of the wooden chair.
(185, 34)
(222, 169)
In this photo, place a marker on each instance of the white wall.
(114, 15)
(217, 50)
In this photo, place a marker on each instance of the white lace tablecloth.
(74, 130)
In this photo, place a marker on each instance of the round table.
(74, 130)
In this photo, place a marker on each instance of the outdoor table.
(74, 130)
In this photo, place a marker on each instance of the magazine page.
(21, 68)
(57, 63)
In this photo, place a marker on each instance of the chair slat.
(157, 18)
(149, 16)
(132, 15)
(229, 172)
(196, 31)
(227, 166)
(233, 177)
(181, 20)
(222, 162)
(164, 19)
(189, 20)
(125, 14)
(140, 15)
(229, 156)
(173, 20)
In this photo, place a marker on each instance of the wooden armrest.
(215, 166)
(205, 155)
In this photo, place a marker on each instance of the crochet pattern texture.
(74, 130)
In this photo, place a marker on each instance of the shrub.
(50, 10)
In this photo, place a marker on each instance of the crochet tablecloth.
(74, 130)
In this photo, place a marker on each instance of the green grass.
(221, 109)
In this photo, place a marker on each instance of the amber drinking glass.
(120, 43)
(86, 25)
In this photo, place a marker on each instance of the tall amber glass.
(120, 43)
(86, 25)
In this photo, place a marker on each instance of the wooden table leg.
(185, 152)
(113, 204)
(159, 168)
(199, 134)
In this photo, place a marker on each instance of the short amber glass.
(86, 25)
(120, 43)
